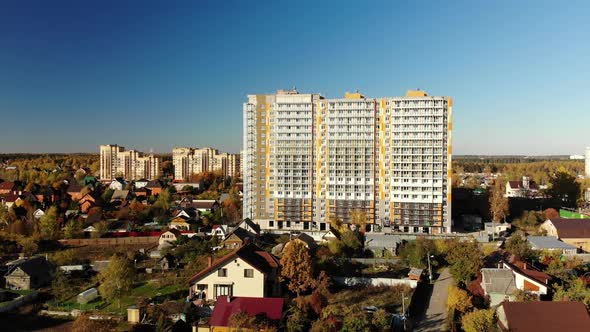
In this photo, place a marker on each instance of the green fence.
(572, 215)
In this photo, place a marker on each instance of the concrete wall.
(360, 281)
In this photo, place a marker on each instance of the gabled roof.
(271, 307)
(7, 185)
(74, 188)
(174, 231)
(527, 270)
(241, 233)
(571, 228)
(203, 204)
(154, 184)
(120, 194)
(519, 185)
(34, 267)
(250, 253)
(545, 316)
(498, 281)
(249, 223)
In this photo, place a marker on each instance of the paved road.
(436, 313)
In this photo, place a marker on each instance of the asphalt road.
(436, 313)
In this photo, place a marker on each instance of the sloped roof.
(252, 254)
(519, 185)
(241, 233)
(271, 307)
(7, 185)
(74, 188)
(203, 204)
(34, 267)
(498, 281)
(548, 242)
(120, 194)
(545, 316)
(154, 184)
(527, 270)
(174, 231)
(572, 228)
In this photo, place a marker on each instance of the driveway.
(435, 318)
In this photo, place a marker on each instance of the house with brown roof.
(75, 191)
(524, 188)
(87, 202)
(237, 237)
(246, 271)
(270, 308)
(543, 316)
(7, 187)
(573, 231)
(155, 187)
(168, 237)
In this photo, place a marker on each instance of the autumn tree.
(517, 245)
(117, 278)
(28, 245)
(499, 208)
(465, 259)
(458, 299)
(48, 226)
(296, 267)
(574, 289)
(358, 218)
(550, 213)
(72, 230)
(479, 321)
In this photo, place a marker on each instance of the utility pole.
(429, 267)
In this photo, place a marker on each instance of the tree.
(518, 246)
(48, 225)
(466, 259)
(479, 321)
(414, 253)
(358, 321)
(28, 245)
(61, 287)
(297, 319)
(72, 230)
(565, 188)
(573, 290)
(550, 213)
(458, 299)
(351, 241)
(358, 217)
(296, 267)
(117, 278)
(498, 203)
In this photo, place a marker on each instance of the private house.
(573, 231)
(168, 237)
(87, 202)
(303, 238)
(155, 187)
(121, 197)
(525, 188)
(141, 183)
(220, 231)
(7, 187)
(31, 273)
(180, 223)
(117, 184)
(247, 271)
(142, 193)
(551, 243)
(237, 237)
(38, 214)
(167, 262)
(204, 206)
(9, 200)
(542, 316)
(75, 191)
(250, 226)
(528, 278)
(498, 284)
(268, 307)
(188, 214)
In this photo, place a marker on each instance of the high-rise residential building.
(309, 160)
(188, 161)
(131, 164)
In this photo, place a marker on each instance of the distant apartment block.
(188, 161)
(309, 160)
(115, 161)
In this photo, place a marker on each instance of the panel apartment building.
(130, 164)
(188, 161)
(309, 160)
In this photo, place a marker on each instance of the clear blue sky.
(144, 74)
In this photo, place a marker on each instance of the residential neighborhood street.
(436, 313)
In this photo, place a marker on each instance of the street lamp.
(429, 266)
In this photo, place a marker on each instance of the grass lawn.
(157, 294)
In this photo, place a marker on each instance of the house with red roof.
(524, 188)
(543, 316)
(528, 278)
(247, 271)
(573, 231)
(268, 308)
(7, 187)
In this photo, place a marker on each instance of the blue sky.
(158, 74)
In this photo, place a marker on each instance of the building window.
(248, 273)
(223, 290)
(222, 273)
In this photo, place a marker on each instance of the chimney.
(209, 261)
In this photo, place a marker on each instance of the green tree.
(518, 246)
(117, 278)
(29, 246)
(297, 320)
(414, 253)
(466, 259)
(573, 290)
(48, 226)
(479, 321)
(565, 188)
(358, 321)
(61, 287)
(72, 230)
(296, 267)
